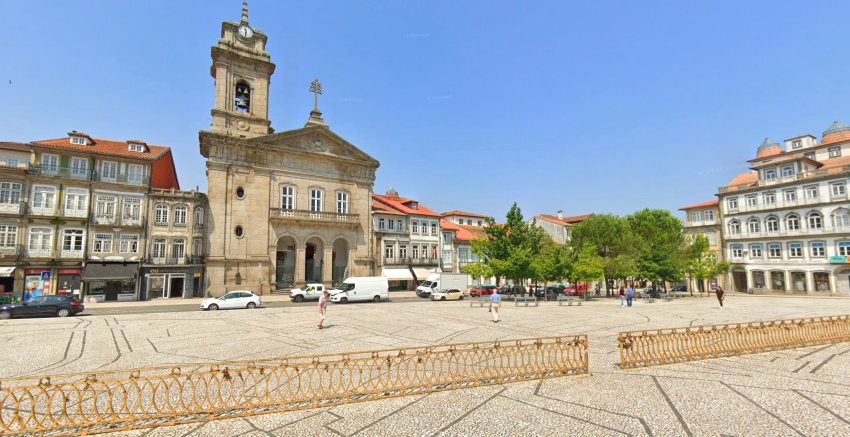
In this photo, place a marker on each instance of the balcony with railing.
(73, 212)
(12, 207)
(104, 219)
(294, 215)
(62, 172)
(169, 260)
(748, 235)
(795, 178)
(43, 209)
(411, 261)
(67, 253)
(396, 230)
(33, 252)
(122, 179)
(12, 251)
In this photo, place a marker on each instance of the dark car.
(60, 306)
(679, 287)
(483, 290)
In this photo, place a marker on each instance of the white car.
(234, 299)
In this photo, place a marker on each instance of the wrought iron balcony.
(12, 207)
(62, 172)
(122, 179)
(39, 253)
(71, 253)
(12, 251)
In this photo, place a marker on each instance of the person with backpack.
(630, 295)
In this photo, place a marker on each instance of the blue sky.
(604, 106)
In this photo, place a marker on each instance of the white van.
(366, 288)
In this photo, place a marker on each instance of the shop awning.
(422, 272)
(6, 272)
(397, 274)
(110, 271)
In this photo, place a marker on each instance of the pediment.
(316, 140)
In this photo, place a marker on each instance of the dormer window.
(79, 140)
(136, 147)
(787, 171)
(770, 174)
(797, 144)
(414, 205)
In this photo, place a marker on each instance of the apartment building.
(704, 219)
(409, 251)
(69, 204)
(786, 224)
(558, 227)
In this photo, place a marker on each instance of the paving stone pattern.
(800, 392)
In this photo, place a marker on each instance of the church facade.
(284, 208)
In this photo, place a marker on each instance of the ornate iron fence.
(94, 403)
(668, 346)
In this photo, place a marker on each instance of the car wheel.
(251, 305)
(63, 312)
(376, 299)
(5, 315)
(299, 298)
(343, 300)
(213, 307)
(443, 298)
(460, 298)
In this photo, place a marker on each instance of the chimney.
(560, 214)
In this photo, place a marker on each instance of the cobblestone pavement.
(801, 392)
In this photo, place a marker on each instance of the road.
(105, 310)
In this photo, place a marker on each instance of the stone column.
(328, 266)
(300, 258)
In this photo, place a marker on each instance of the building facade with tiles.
(73, 217)
(407, 239)
(704, 219)
(786, 224)
(284, 208)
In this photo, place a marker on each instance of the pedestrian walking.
(597, 290)
(323, 308)
(622, 296)
(630, 295)
(720, 295)
(495, 304)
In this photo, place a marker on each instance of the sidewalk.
(196, 301)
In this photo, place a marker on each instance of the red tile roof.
(714, 202)
(770, 151)
(402, 205)
(835, 137)
(749, 179)
(20, 147)
(379, 208)
(463, 213)
(106, 147)
(553, 219)
(163, 173)
(462, 232)
(575, 219)
(835, 162)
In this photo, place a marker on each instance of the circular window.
(240, 192)
(239, 232)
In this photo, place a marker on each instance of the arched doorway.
(739, 279)
(340, 261)
(842, 280)
(313, 260)
(285, 263)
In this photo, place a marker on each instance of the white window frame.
(128, 243)
(102, 243)
(159, 248)
(316, 197)
(76, 202)
(135, 174)
(732, 203)
(131, 210)
(49, 164)
(181, 212)
(108, 171)
(105, 206)
(75, 238)
(843, 248)
(79, 167)
(341, 202)
(161, 215)
(752, 201)
(696, 216)
(753, 226)
(769, 198)
(199, 216)
(737, 251)
(792, 223)
(838, 189)
(787, 171)
(771, 224)
(287, 197)
(795, 250)
(389, 251)
(818, 249)
(755, 251)
(774, 250)
(815, 221)
(10, 193)
(43, 198)
(790, 196)
(133, 147)
(434, 228)
(734, 227)
(834, 152)
(414, 227)
(812, 192)
(8, 235)
(40, 240)
(841, 219)
(178, 249)
(770, 174)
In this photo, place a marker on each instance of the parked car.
(54, 305)
(483, 290)
(232, 300)
(555, 289)
(651, 291)
(362, 289)
(450, 294)
(572, 290)
(678, 287)
(308, 291)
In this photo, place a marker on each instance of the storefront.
(111, 281)
(172, 282)
(69, 281)
(36, 282)
(7, 279)
(399, 278)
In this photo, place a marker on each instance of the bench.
(648, 298)
(569, 300)
(667, 296)
(480, 301)
(526, 300)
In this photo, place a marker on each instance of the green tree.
(552, 262)
(701, 263)
(614, 242)
(588, 265)
(660, 235)
(509, 249)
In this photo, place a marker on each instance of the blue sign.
(45, 276)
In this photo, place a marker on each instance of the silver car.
(232, 300)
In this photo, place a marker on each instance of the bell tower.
(242, 70)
